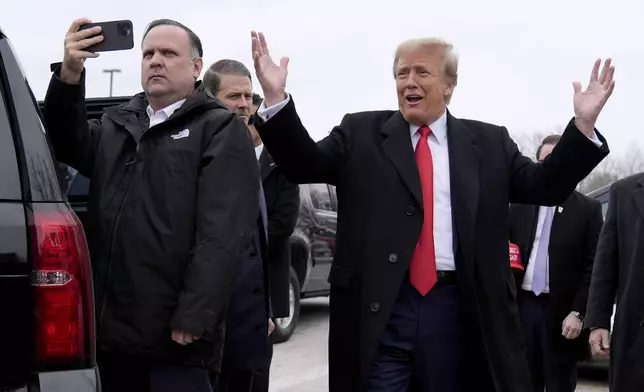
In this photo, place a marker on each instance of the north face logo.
(181, 135)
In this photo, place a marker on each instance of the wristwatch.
(578, 315)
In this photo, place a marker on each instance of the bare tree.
(529, 142)
(608, 171)
(615, 167)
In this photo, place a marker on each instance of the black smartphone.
(117, 35)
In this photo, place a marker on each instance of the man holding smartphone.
(174, 200)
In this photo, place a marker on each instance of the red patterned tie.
(422, 271)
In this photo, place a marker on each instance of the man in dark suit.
(558, 244)
(422, 294)
(282, 206)
(247, 347)
(618, 277)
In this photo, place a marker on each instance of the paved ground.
(299, 365)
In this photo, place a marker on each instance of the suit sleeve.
(74, 139)
(512, 222)
(593, 228)
(301, 159)
(551, 182)
(227, 210)
(604, 281)
(283, 217)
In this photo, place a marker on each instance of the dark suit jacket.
(370, 158)
(573, 239)
(282, 205)
(618, 276)
(246, 344)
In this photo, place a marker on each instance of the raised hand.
(589, 103)
(75, 43)
(272, 77)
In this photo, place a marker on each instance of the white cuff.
(594, 139)
(266, 113)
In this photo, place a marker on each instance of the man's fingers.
(565, 331)
(178, 337)
(84, 34)
(271, 327)
(86, 55)
(577, 87)
(86, 43)
(75, 26)
(610, 75)
(595, 72)
(256, 51)
(264, 45)
(183, 338)
(284, 62)
(605, 340)
(609, 92)
(604, 72)
(254, 39)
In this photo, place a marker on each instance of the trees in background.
(611, 169)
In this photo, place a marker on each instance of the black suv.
(312, 242)
(47, 335)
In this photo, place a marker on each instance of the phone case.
(117, 35)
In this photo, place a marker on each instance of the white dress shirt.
(437, 140)
(163, 114)
(258, 150)
(529, 273)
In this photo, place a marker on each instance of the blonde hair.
(450, 56)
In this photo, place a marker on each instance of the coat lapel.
(559, 219)
(638, 194)
(398, 148)
(464, 161)
(532, 217)
(266, 164)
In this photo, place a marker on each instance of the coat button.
(375, 307)
(393, 258)
(410, 210)
(642, 323)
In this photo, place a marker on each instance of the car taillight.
(64, 303)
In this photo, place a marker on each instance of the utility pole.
(111, 72)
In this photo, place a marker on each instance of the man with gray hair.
(422, 293)
(172, 206)
(248, 351)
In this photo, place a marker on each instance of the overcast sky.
(517, 60)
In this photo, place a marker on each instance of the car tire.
(284, 327)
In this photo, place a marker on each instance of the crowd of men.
(194, 196)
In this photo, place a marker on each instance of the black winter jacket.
(171, 209)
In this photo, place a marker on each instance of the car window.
(41, 170)
(321, 198)
(9, 176)
(78, 184)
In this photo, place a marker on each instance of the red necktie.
(422, 270)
